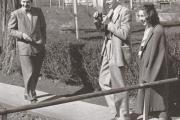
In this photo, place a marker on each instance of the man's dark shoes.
(34, 101)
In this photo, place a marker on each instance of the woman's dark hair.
(152, 15)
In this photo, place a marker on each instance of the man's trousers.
(31, 66)
(108, 79)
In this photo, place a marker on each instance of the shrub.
(173, 45)
(78, 62)
(73, 62)
(9, 59)
(91, 61)
(56, 64)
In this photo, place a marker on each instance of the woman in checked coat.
(153, 65)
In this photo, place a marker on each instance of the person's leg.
(146, 104)
(27, 71)
(105, 84)
(121, 99)
(139, 105)
(37, 63)
(164, 115)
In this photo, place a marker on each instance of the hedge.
(78, 62)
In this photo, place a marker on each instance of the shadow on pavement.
(83, 90)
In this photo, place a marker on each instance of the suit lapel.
(27, 21)
(33, 19)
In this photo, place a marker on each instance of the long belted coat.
(153, 67)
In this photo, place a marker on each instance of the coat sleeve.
(123, 30)
(156, 56)
(42, 25)
(13, 26)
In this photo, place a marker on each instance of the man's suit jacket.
(36, 28)
(120, 27)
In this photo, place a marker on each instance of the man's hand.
(95, 15)
(111, 27)
(40, 42)
(27, 37)
(107, 18)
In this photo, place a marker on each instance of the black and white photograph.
(89, 59)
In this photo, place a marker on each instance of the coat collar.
(116, 13)
(142, 48)
(149, 36)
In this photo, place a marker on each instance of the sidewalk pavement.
(78, 110)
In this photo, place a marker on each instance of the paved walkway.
(13, 95)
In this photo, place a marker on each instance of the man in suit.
(28, 25)
(116, 25)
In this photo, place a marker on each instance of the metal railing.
(5, 112)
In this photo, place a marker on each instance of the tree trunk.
(1, 16)
(1, 2)
(8, 57)
(4, 22)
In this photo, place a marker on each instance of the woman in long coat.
(153, 65)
